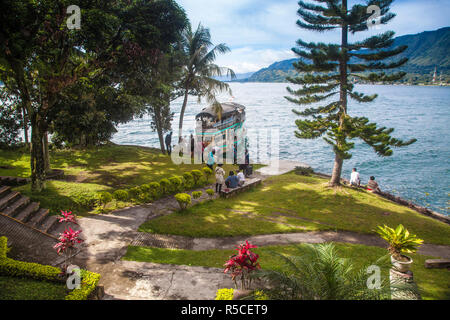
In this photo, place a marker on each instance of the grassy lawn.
(105, 168)
(432, 283)
(12, 288)
(293, 203)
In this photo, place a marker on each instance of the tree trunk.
(183, 109)
(46, 153)
(338, 161)
(337, 169)
(159, 130)
(25, 126)
(37, 154)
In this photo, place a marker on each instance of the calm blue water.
(412, 172)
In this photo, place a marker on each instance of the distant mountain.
(426, 50)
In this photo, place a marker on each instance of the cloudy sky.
(260, 32)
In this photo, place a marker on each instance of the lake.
(419, 172)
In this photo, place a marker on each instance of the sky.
(260, 32)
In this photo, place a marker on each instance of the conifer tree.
(326, 70)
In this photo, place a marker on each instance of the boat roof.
(228, 109)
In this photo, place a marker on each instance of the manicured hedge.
(11, 267)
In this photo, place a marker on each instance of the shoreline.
(396, 199)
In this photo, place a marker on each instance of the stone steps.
(13, 181)
(29, 213)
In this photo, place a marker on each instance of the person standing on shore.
(354, 178)
(168, 142)
(210, 161)
(372, 185)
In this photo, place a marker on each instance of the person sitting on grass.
(240, 175)
(232, 181)
(354, 178)
(372, 185)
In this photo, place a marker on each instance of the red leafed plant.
(67, 216)
(242, 264)
(68, 239)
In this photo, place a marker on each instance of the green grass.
(12, 288)
(432, 283)
(105, 168)
(293, 203)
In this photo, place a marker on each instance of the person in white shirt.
(354, 178)
(241, 177)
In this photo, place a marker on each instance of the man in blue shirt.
(232, 181)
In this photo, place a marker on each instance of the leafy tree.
(43, 58)
(327, 76)
(10, 119)
(200, 70)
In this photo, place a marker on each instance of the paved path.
(277, 167)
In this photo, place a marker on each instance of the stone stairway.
(13, 181)
(22, 210)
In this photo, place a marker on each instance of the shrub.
(104, 198)
(183, 200)
(120, 195)
(134, 192)
(84, 199)
(155, 190)
(196, 194)
(208, 172)
(144, 197)
(304, 171)
(176, 184)
(224, 294)
(188, 180)
(197, 175)
(145, 188)
(210, 192)
(165, 186)
(89, 281)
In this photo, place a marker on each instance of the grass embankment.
(432, 283)
(88, 172)
(293, 203)
(14, 288)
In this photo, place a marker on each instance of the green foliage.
(197, 175)
(104, 198)
(319, 273)
(145, 188)
(176, 184)
(183, 200)
(155, 190)
(89, 281)
(304, 171)
(324, 80)
(165, 186)
(197, 194)
(399, 239)
(224, 294)
(120, 195)
(188, 180)
(10, 120)
(208, 172)
(210, 192)
(134, 193)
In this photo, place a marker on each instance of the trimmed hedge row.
(14, 268)
(154, 190)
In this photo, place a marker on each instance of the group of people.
(355, 180)
(232, 181)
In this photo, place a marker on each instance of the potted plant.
(400, 241)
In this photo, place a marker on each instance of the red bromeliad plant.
(242, 264)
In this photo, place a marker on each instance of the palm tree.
(200, 70)
(318, 273)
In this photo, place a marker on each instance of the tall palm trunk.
(183, 109)
(338, 161)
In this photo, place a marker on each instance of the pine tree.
(325, 80)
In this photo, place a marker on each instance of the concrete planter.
(402, 266)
